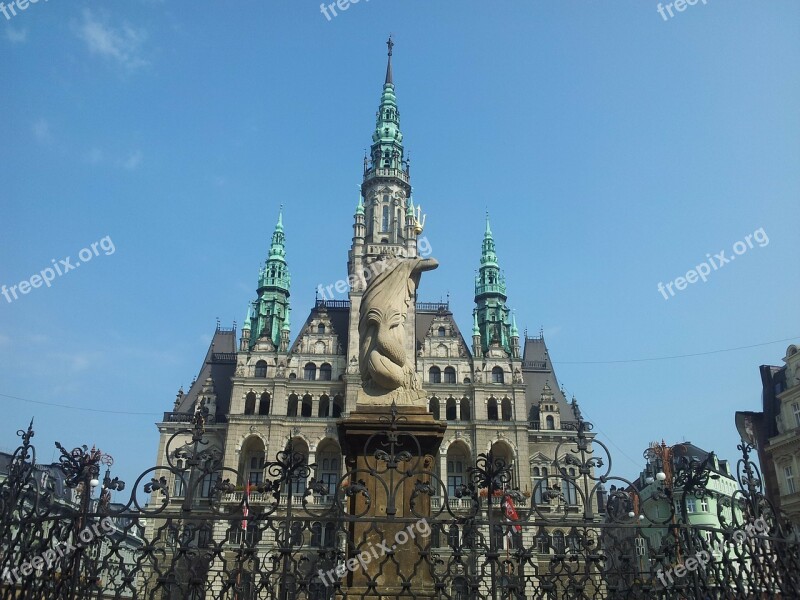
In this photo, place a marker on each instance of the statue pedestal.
(395, 514)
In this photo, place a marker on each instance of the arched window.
(506, 408)
(433, 407)
(316, 534)
(460, 589)
(558, 542)
(449, 375)
(310, 372)
(450, 410)
(252, 457)
(539, 484)
(497, 375)
(385, 219)
(491, 409)
(292, 406)
(466, 413)
(570, 490)
(328, 467)
(324, 406)
(467, 380)
(338, 406)
(543, 543)
(307, 404)
(261, 369)
(435, 375)
(452, 537)
(321, 328)
(263, 404)
(550, 422)
(325, 372)
(457, 461)
(441, 332)
(250, 404)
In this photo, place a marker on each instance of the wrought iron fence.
(389, 529)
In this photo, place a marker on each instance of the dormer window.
(321, 328)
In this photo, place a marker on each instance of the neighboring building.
(775, 432)
(116, 549)
(654, 502)
(496, 390)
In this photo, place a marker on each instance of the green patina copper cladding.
(387, 140)
(270, 311)
(492, 314)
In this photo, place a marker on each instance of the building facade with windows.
(775, 433)
(496, 389)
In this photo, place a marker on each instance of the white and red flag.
(511, 513)
(246, 509)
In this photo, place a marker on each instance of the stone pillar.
(387, 518)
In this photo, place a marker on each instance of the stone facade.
(496, 393)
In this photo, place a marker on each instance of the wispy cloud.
(122, 44)
(133, 161)
(41, 130)
(16, 36)
(95, 156)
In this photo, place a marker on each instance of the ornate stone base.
(394, 516)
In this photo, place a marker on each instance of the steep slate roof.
(426, 312)
(339, 314)
(537, 369)
(220, 365)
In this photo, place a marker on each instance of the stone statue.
(387, 372)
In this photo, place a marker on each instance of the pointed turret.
(273, 290)
(490, 299)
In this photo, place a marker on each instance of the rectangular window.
(690, 505)
(703, 505)
(454, 482)
(788, 473)
(796, 411)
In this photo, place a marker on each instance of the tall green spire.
(387, 140)
(272, 305)
(492, 314)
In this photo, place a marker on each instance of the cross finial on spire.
(389, 78)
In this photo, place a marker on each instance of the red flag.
(246, 509)
(511, 513)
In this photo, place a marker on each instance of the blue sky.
(613, 149)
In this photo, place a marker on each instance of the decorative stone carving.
(387, 372)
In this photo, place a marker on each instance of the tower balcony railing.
(399, 173)
(490, 288)
(273, 282)
(333, 304)
(534, 364)
(433, 306)
(186, 417)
